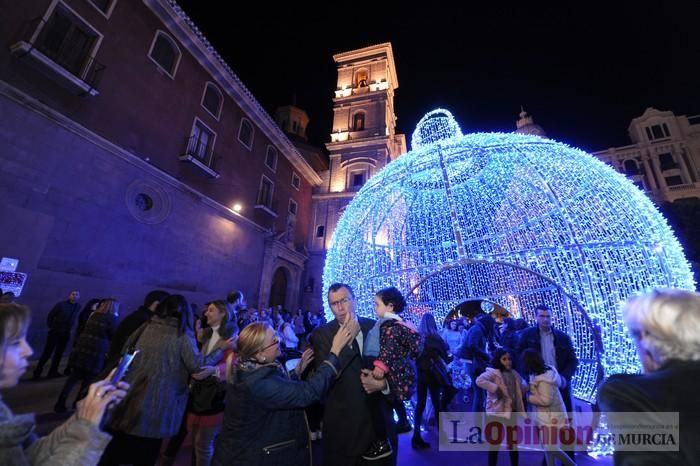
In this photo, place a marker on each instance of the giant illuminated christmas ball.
(514, 219)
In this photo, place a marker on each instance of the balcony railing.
(62, 56)
(270, 208)
(680, 187)
(200, 155)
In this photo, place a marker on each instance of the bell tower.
(363, 140)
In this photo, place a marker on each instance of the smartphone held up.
(123, 366)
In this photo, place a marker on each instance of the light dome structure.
(516, 220)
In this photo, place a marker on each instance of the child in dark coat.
(389, 348)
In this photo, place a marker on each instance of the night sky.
(582, 72)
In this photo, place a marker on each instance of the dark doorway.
(278, 291)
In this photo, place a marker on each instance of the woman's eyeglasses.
(274, 342)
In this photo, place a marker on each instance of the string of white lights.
(515, 219)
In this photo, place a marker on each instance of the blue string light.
(517, 220)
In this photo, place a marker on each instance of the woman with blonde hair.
(264, 421)
(77, 442)
(89, 354)
(665, 327)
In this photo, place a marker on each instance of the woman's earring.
(263, 359)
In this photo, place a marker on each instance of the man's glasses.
(274, 342)
(340, 301)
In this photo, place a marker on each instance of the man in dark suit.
(347, 426)
(60, 323)
(556, 349)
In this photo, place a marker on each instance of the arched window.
(271, 158)
(165, 53)
(358, 121)
(245, 134)
(212, 100)
(361, 78)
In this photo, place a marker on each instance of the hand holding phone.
(124, 364)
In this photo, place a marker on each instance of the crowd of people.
(221, 375)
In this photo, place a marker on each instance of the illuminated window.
(361, 78)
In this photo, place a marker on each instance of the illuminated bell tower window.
(361, 78)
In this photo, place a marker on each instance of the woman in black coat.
(90, 351)
(432, 358)
(264, 420)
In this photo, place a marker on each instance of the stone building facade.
(134, 158)
(664, 157)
